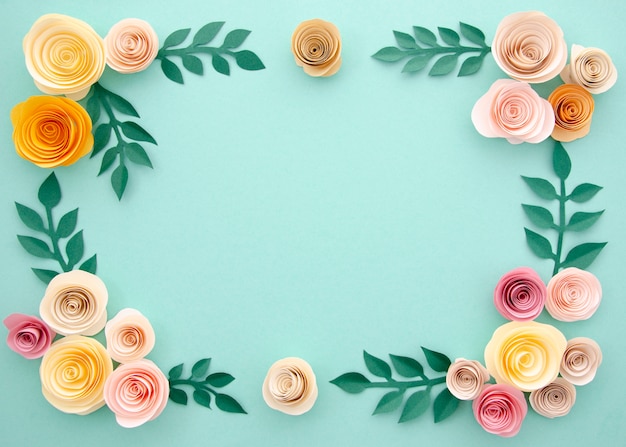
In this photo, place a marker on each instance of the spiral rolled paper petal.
(316, 46)
(591, 68)
(573, 110)
(554, 400)
(573, 295)
(129, 336)
(500, 409)
(465, 378)
(290, 386)
(581, 360)
(28, 336)
(520, 294)
(131, 45)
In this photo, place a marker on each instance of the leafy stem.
(391, 383)
(52, 234)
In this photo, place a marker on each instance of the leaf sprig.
(49, 196)
(425, 46)
(418, 402)
(245, 59)
(203, 387)
(582, 255)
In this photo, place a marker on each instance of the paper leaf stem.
(582, 255)
(203, 387)
(423, 46)
(49, 196)
(245, 59)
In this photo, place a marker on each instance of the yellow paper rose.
(51, 131)
(526, 355)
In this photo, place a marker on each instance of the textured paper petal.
(28, 336)
(591, 68)
(554, 400)
(573, 295)
(520, 295)
(131, 45)
(129, 336)
(500, 409)
(581, 360)
(316, 46)
(573, 108)
(290, 386)
(465, 378)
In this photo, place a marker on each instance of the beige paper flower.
(529, 47)
(316, 46)
(129, 336)
(75, 303)
(465, 378)
(573, 295)
(131, 45)
(591, 68)
(290, 386)
(573, 110)
(554, 400)
(581, 360)
(64, 55)
(73, 373)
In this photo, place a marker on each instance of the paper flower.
(73, 372)
(64, 55)
(136, 392)
(581, 360)
(129, 336)
(555, 399)
(465, 378)
(75, 303)
(573, 109)
(520, 295)
(500, 409)
(131, 45)
(529, 47)
(290, 386)
(28, 336)
(591, 68)
(513, 110)
(573, 294)
(316, 46)
(525, 355)
(51, 131)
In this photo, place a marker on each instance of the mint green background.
(293, 216)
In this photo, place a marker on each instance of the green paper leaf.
(389, 402)
(119, 179)
(219, 380)
(583, 255)
(207, 33)
(67, 224)
(171, 71)
(200, 368)
(175, 372)
(584, 192)
(437, 361)
(50, 192)
(220, 64)
(581, 221)
(389, 54)
(444, 65)
(75, 249)
(93, 108)
(193, 64)
(425, 36)
(226, 403)
(178, 396)
(471, 65)
(176, 38)
(415, 406)
(137, 154)
(202, 398)
(539, 216)
(561, 162)
(351, 382)
(135, 132)
(107, 161)
(247, 60)
(541, 187)
(406, 366)
(30, 218)
(377, 366)
(445, 405)
(405, 40)
(121, 104)
(45, 275)
(539, 245)
(235, 38)
(450, 36)
(102, 136)
(35, 247)
(416, 63)
(473, 34)
(90, 265)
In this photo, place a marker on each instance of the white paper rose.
(290, 386)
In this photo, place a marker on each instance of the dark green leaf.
(581, 221)
(202, 398)
(67, 224)
(175, 372)
(135, 132)
(50, 192)
(445, 404)
(207, 33)
(30, 217)
(235, 38)
(176, 38)
(45, 275)
(136, 153)
(436, 360)
(35, 247)
(470, 65)
(405, 40)
(541, 187)
(226, 403)
(473, 34)
(178, 396)
(119, 179)
(121, 104)
(416, 63)
(425, 36)
(193, 64)
(75, 249)
(351, 382)
(389, 402)
(107, 160)
(219, 380)
(583, 255)
(377, 366)
(561, 161)
(171, 71)
(220, 64)
(102, 136)
(90, 265)
(539, 245)
(389, 54)
(93, 108)
(415, 406)
(539, 216)
(444, 65)
(200, 368)
(406, 366)
(584, 192)
(449, 36)
(247, 60)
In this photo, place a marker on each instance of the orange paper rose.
(573, 109)
(51, 131)
(316, 46)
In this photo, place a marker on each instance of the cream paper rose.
(591, 68)
(573, 295)
(129, 336)
(131, 45)
(316, 47)
(465, 378)
(555, 399)
(290, 386)
(75, 303)
(581, 360)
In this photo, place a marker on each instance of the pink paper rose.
(573, 295)
(520, 295)
(130, 46)
(513, 110)
(465, 378)
(500, 409)
(129, 336)
(28, 336)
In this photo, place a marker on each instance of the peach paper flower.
(465, 378)
(64, 55)
(591, 68)
(136, 392)
(513, 110)
(131, 45)
(316, 46)
(129, 336)
(520, 295)
(500, 409)
(290, 386)
(573, 109)
(51, 131)
(555, 399)
(529, 47)
(28, 336)
(581, 360)
(573, 295)
(75, 303)
(73, 373)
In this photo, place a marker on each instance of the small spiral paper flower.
(573, 295)
(520, 295)
(554, 400)
(28, 336)
(581, 360)
(75, 303)
(465, 378)
(290, 386)
(131, 45)
(316, 46)
(500, 409)
(591, 68)
(129, 336)
(573, 109)
(136, 392)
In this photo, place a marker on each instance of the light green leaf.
(226, 403)
(207, 33)
(450, 36)
(200, 368)
(50, 192)
(389, 54)
(30, 218)
(247, 60)
(405, 40)
(202, 398)
(581, 221)
(35, 247)
(178, 396)
(171, 71)
(219, 380)
(539, 216)
(235, 38)
(445, 405)
(175, 372)
(193, 64)
(137, 154)
(406, 366)
(220, 64)
(473, 34)
(377, 366)
(416, 63)
(389, 402)
(436, 360)
(75, 249)
(425, 36)
(351, 382)
(119, 179)
(45, 275)
(541, 187)
(539, 245)
(444, 65)
(67, 224)
(135, 132)
(90, 265)
(471, 65)
(560, 161)
(584, 192)
(583, 255)
(415, 406)
(176, 38)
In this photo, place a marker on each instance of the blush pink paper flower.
(573, 295)
(500, 409)
(131, 45)
(554, 400)
(581, 360)
(520, 295)
(28, 336)
(129, 336)
(465, 378)
(513, 110)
